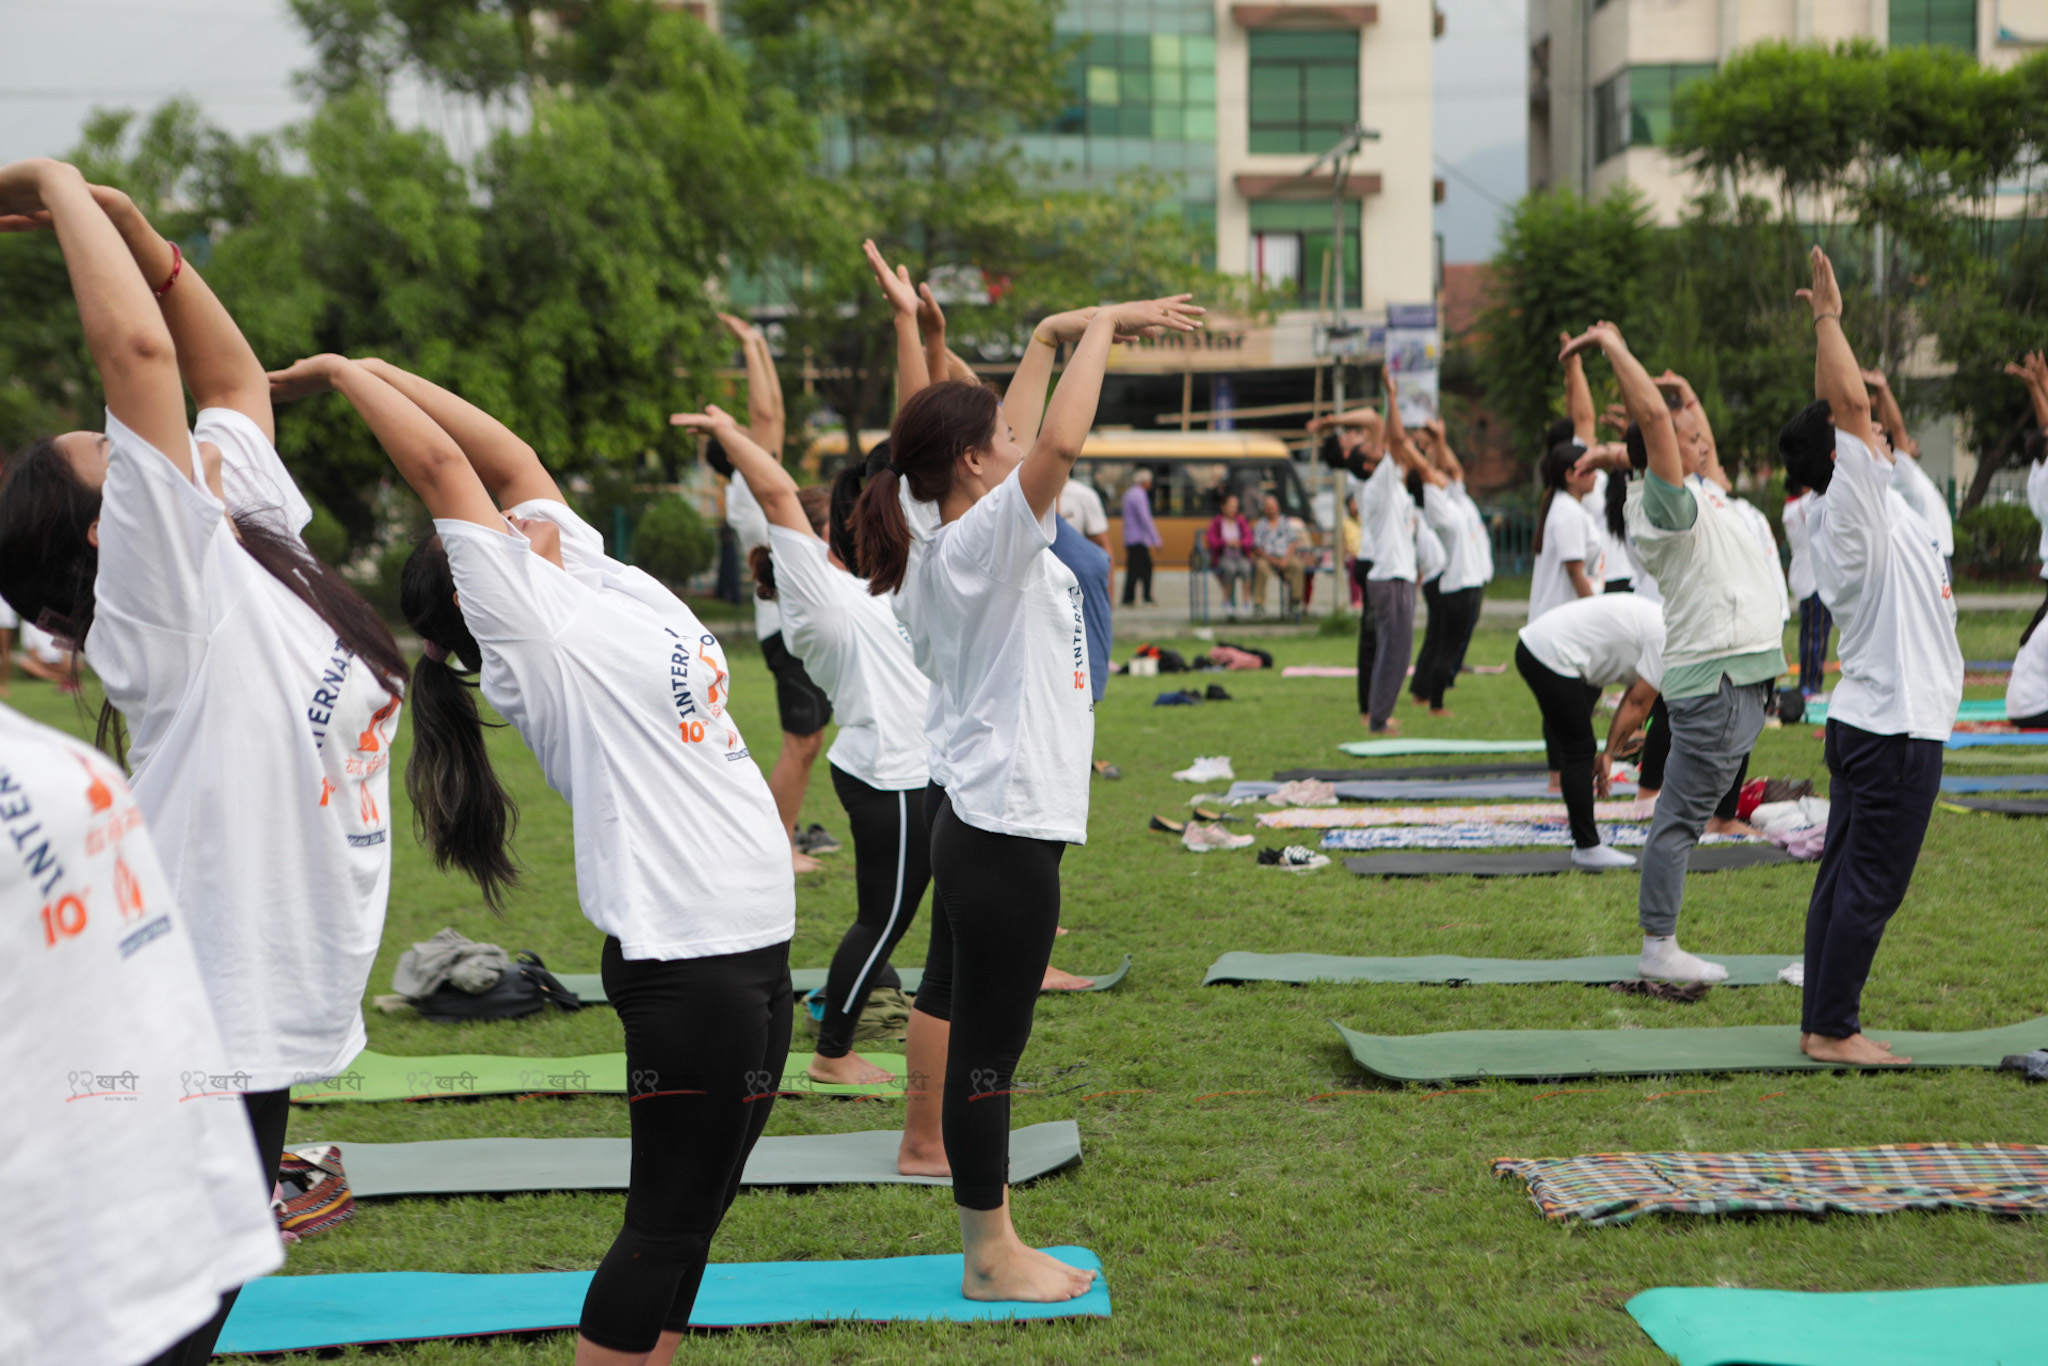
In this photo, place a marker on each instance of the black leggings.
(1567, 704)
(1452, 618)
(269, 1112)
(706, 1042)
(892, 864)
(995, 908)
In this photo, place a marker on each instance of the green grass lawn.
(1243, 1210)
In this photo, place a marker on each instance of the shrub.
(673, 542)
(1999, 541)
(326, 537)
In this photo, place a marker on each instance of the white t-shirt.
(2026, 692)
(1614, 562)
(1605, 639)
(1568, 534)
(262, 751)
(1388, 515)
(1471, 555)
(1430, 555)
(750, 528)
(621, 694)
(1001, 625)
(1081, 509)
(853, 647)
(1924, 498)
(2037, 499)
(1881, 574)
(127, 1169)
(1799, 577)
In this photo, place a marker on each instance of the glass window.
(1291, 244)
(1304, 89)
(1633, 108)
(1935, 23)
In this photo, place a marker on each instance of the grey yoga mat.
(1744, 970)
(590, 985)
(1706, 858)
(1411, 772)
(490, 1166)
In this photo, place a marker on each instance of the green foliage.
(673, 542)
(1999, 541)
(326, 537)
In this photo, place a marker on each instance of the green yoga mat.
(1381, 749)
(1744, 970)
(1542, 1054)
(380, 1076)
(1979, 1325)
(590, 985)
(493, 1166)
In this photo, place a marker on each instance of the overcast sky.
(60, 58)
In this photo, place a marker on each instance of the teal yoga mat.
(590, 985)
(380, 1076)
(1541, 1054)
(1381, 749)
(301, 1313)
(1744, 970)
(1974, 709)
(1979, 1325)
(492, 1166)
(1978, 739)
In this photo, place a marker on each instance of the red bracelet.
(177, 265)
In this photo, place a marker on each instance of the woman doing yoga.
(681, 858)
(261, 693)
(1000, 633)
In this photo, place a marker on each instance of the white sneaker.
(1295, 858)
(1666, 962)
(1208, 768)
(1200, 839)
(1600, 858)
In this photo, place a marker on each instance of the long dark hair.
(1556, 470)
(48, 566)
(846, 489)
(1617, 480)
(939, 424)
(816, 502)
(462, 812)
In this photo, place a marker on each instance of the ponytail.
(1555, 470)
(881, 534)
(462, 812)
(762, 562)
(1617, 481)
(940, 423)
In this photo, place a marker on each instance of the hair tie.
(437, 653)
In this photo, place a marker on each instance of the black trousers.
(269, 1113)
(892, 865)
(1567, 704)
(1882, 792)
(1452, 618)
(1137, 570)
(706, 1042)
(995, 910)
(1657, 752)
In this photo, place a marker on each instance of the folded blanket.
(1613, 1188)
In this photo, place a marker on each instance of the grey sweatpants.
(1392, 616)
(1710, 737)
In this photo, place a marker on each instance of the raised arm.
(130, 343)
(1578, 394)
(1888, 413)
(931, 321)
(1398, 445)
(426, 456)
(1688, 401)
(1024, 400)
(1836, 376)
(1639, 392)
(1446, 458)
(765, 420)
(507, 466)
(1072, 410)
(2033, 371)
(772, 487)
(912, 374)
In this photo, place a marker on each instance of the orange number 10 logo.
(63, 918)
(693, 731)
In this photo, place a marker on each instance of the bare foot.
(1392, 727)
(1056, 980)
(801, 862)
(1556, 782)
(1058, 930)
(1718, 826)
(918, 1159)
(1441, 711)
(1855, 1049)
(1016, 1272)
(851, 1070)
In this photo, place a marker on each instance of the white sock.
(1665, 961)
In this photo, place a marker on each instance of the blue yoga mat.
(298, 1313)
(2021, 737)
(2017, 782)
(1982, 1325)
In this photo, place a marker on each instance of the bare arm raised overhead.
(1578, 393)
(912, 371)
(770, 482)
(766, 420)
(1836, 376)
(509, 468)
(1639, 392)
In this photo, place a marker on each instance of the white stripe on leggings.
(895, 909)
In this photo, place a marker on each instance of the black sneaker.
(1215, 693)
(815, 841)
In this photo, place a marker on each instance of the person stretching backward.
(852, 645)
(997, 626)
(681, 858)
(1567, 657)
(1468, 551)
(261, 692)
(1883, 576)
(1723, 647)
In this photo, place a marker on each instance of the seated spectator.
(1229, 541)
(1279, 546)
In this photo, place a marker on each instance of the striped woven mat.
(1613, 1188)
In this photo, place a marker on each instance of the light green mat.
(1542, 1054)
(1975, 709)
(590, 985)
(1744, 970)
(1979, 1325)
(490, 1166)
(1381, 749)
(379, 1076)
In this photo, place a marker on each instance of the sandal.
(1168, 827)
